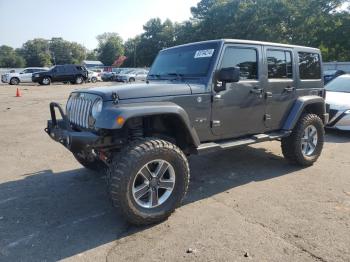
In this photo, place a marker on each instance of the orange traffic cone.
(18, 93)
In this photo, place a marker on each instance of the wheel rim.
(14, 81)
(46, 81)
(79, 80)
(309, 140)
(153, 184)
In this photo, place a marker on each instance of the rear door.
(281, 86)
(240, 109)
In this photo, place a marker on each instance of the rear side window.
(279, 64)
(60, 69)
(244, 58)
(309, 66)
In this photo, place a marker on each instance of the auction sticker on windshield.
(204, 53)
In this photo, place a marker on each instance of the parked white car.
(24, 76)
(133, 75)
(93, 76)
(338, 99)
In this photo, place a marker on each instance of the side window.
(244, 58)
(59, 69)
(309, 66)
(25, 71)
(279, 64)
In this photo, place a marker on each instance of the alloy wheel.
(309, 140)
(153, 184)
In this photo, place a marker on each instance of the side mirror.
(227, 75)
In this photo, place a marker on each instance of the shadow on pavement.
(337, 136)
(51, 216)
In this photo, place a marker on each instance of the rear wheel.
(148, 180)
(46, 81)
(79, 80)
(305, 144)
(131, 80)
(14, 81)
(93, 79)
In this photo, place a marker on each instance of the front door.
(240, 109)
(281, 88)
(26, 76)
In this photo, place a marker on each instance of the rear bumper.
(61, 131)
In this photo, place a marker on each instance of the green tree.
(317, 23)
(156, 37)
(78, 52)
(65, 52)
(131, 52)
(92, 55)
(110, 47)
(10, 57)
(36, 52)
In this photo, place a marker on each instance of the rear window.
(309, 66)
(279, 64)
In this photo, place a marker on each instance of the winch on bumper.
(75, 141)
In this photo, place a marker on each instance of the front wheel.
(305, 144)
(93, 80)
(14, 81)
(148, 180)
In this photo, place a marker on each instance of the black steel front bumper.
(62, 132)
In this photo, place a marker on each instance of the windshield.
(191, 60)
(340, 84)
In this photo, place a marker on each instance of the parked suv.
(199, 97)
(74, 74)
(24, 76)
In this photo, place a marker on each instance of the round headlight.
(97, 108)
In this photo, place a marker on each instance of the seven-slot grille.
(79, 107)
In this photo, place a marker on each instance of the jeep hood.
(143, 90)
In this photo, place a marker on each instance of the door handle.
(256, 90)
(289, 89)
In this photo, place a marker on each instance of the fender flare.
(298, 108)
(107, 119)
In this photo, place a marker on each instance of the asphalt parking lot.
(245, 204)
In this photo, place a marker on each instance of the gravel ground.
(245, 204)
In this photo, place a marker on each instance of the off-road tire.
(124, 167)
(14, 81)
(291, 145)
(95, 165)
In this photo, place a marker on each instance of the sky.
(82, 20)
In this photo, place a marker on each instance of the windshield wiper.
(154, 75)
(178, 76)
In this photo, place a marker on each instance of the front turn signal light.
(120, 120)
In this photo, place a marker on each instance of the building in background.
(93, 64)
(344, 66)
